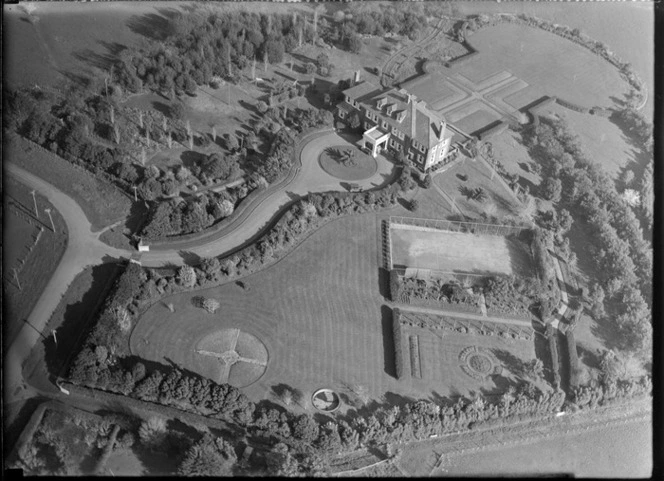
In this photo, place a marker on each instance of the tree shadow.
(165, 109)
(384, 282)
(191, 158)
(388, 341)
(77, 320)
(154, 26)
(278, 391)
(588, 357)
(515, 365)
(190, 258)
(12, 432)
(102, 61)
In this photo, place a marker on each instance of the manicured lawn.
(318, 311)
(32, 249)
(102, 202)
(499, 201)
(472, 117)
(362, 167)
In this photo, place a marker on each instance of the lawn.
(139, 461)
(470, 174)
(455, 252)
(556, 65)
(362, 166)
(103, 203)
(319, 312)
(30, 247)
(472, 116)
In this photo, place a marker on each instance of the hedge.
(572, 106)
(573, 359)
(414, 347)
(541, 256)
(395, 285)
(398, 343)
(551, 334)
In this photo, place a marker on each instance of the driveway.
(84, 247)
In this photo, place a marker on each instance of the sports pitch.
(456, 252)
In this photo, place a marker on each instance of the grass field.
(570, 71)
(102, 202)
(32, 248)
(472, 117)
(455, 252)
(500, 202)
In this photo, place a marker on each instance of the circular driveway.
(312, 177)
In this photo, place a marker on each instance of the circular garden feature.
(231, 356)
(347, 162)
(479, 363)
(326, 400)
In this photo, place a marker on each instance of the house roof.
(419, 122)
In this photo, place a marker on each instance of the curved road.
(84, 247)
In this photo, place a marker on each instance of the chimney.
(356, 79)
(443, 128)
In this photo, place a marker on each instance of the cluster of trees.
(513, 295)
(200, 48)
(178, 216)
(418, 291)
(395, 20)
(610, 390)
(623, 256)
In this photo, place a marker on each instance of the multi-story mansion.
(396, 120)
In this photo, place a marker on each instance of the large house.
(397, 121)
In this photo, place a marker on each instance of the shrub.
(573, 359)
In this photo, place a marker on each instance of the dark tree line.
(623, 256)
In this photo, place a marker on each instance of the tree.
(354, 43)
(152, 432)
(211, 266)
(210, 456)
(261, 107)
(426, 183)
(177, 111)
(310, 68)
(305, 428)
(413, 205)
(354, 121)
(323, 60)
(551, 189)
(187, 276)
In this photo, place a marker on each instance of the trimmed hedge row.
(572, 106)
(493, 131)
(551, 334)
(414, 347)
(573, 359)
(398, 343)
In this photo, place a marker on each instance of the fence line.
(456, 226)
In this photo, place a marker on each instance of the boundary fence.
(455, 226)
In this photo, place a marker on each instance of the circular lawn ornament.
(326, 400)
(347, 162)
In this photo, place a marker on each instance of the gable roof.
(419, 122)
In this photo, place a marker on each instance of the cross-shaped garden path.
(229, 357)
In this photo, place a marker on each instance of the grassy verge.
(35, 262)
(102, 203)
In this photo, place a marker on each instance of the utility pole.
(35, 201)
(16, 278)
(48, 211)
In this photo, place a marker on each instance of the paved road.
(309, 179)
(84, 247)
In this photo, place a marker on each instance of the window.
(410, 156)
(395, 131)
(384, 124)
(367, 125)
(422, 148)
(400, 135)
(349, 100)
(398, 146)
(342, 114)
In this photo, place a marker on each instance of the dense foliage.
(622, 255)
